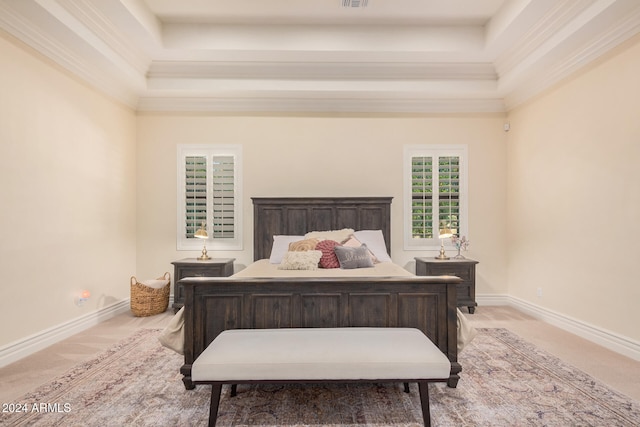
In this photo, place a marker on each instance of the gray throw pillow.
(350, 257)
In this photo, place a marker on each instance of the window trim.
(435, 150)
(184, 243)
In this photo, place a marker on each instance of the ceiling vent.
(354, 3)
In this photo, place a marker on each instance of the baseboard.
(31, 344)
(603, 337)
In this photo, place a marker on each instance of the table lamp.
(445, 233)
(201, 233)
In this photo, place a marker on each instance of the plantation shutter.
(209, 192)
(195, 194)
(435, 194)
(223, 199)
(444, 205)
(422, 197)
(449, 193)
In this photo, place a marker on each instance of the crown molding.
(537, 38)
(79, 67)
(85, 39)
(597, 48)
(106, 38)
(322, 70)
(315, 105)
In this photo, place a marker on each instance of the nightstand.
(192, 267)
(462, 268)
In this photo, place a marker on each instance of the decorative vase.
(459, 256)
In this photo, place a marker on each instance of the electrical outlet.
(539, 292)
(82, 298)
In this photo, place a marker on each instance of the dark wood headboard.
(299, 215)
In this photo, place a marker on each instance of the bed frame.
(215, 304)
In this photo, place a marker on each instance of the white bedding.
(263, 268)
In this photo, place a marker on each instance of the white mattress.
(262, 268)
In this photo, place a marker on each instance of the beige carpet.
(505, 382)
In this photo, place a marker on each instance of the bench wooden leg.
(423, 386)
(216, 389)
(406, 387)
(234, 390)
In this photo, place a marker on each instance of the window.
(435, 193)
(209, 192)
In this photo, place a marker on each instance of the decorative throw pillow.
(352, 242)
(353, 257)
(329, 258)
(281, 246)
(337, 235)
(303, 245)
(304, 260)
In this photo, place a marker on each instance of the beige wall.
(67, 194)
(322, 156)
(574, 197)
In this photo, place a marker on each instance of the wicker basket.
(147, 301)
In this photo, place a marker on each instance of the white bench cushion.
(321, 354)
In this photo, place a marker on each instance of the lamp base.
(204, 255)
(442, 254)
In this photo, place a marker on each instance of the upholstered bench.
(307, 355)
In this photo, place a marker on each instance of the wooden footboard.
(213, 305)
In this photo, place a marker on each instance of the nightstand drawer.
(213, 271)
(462, 271)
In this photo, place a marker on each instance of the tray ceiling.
(441, 56)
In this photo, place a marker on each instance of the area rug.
(505, 382)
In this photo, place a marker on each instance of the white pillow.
(281, 246)
(300, 260)
(335, 235)
(375, 242)
(155, 283)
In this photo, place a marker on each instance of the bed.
(264, 296)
